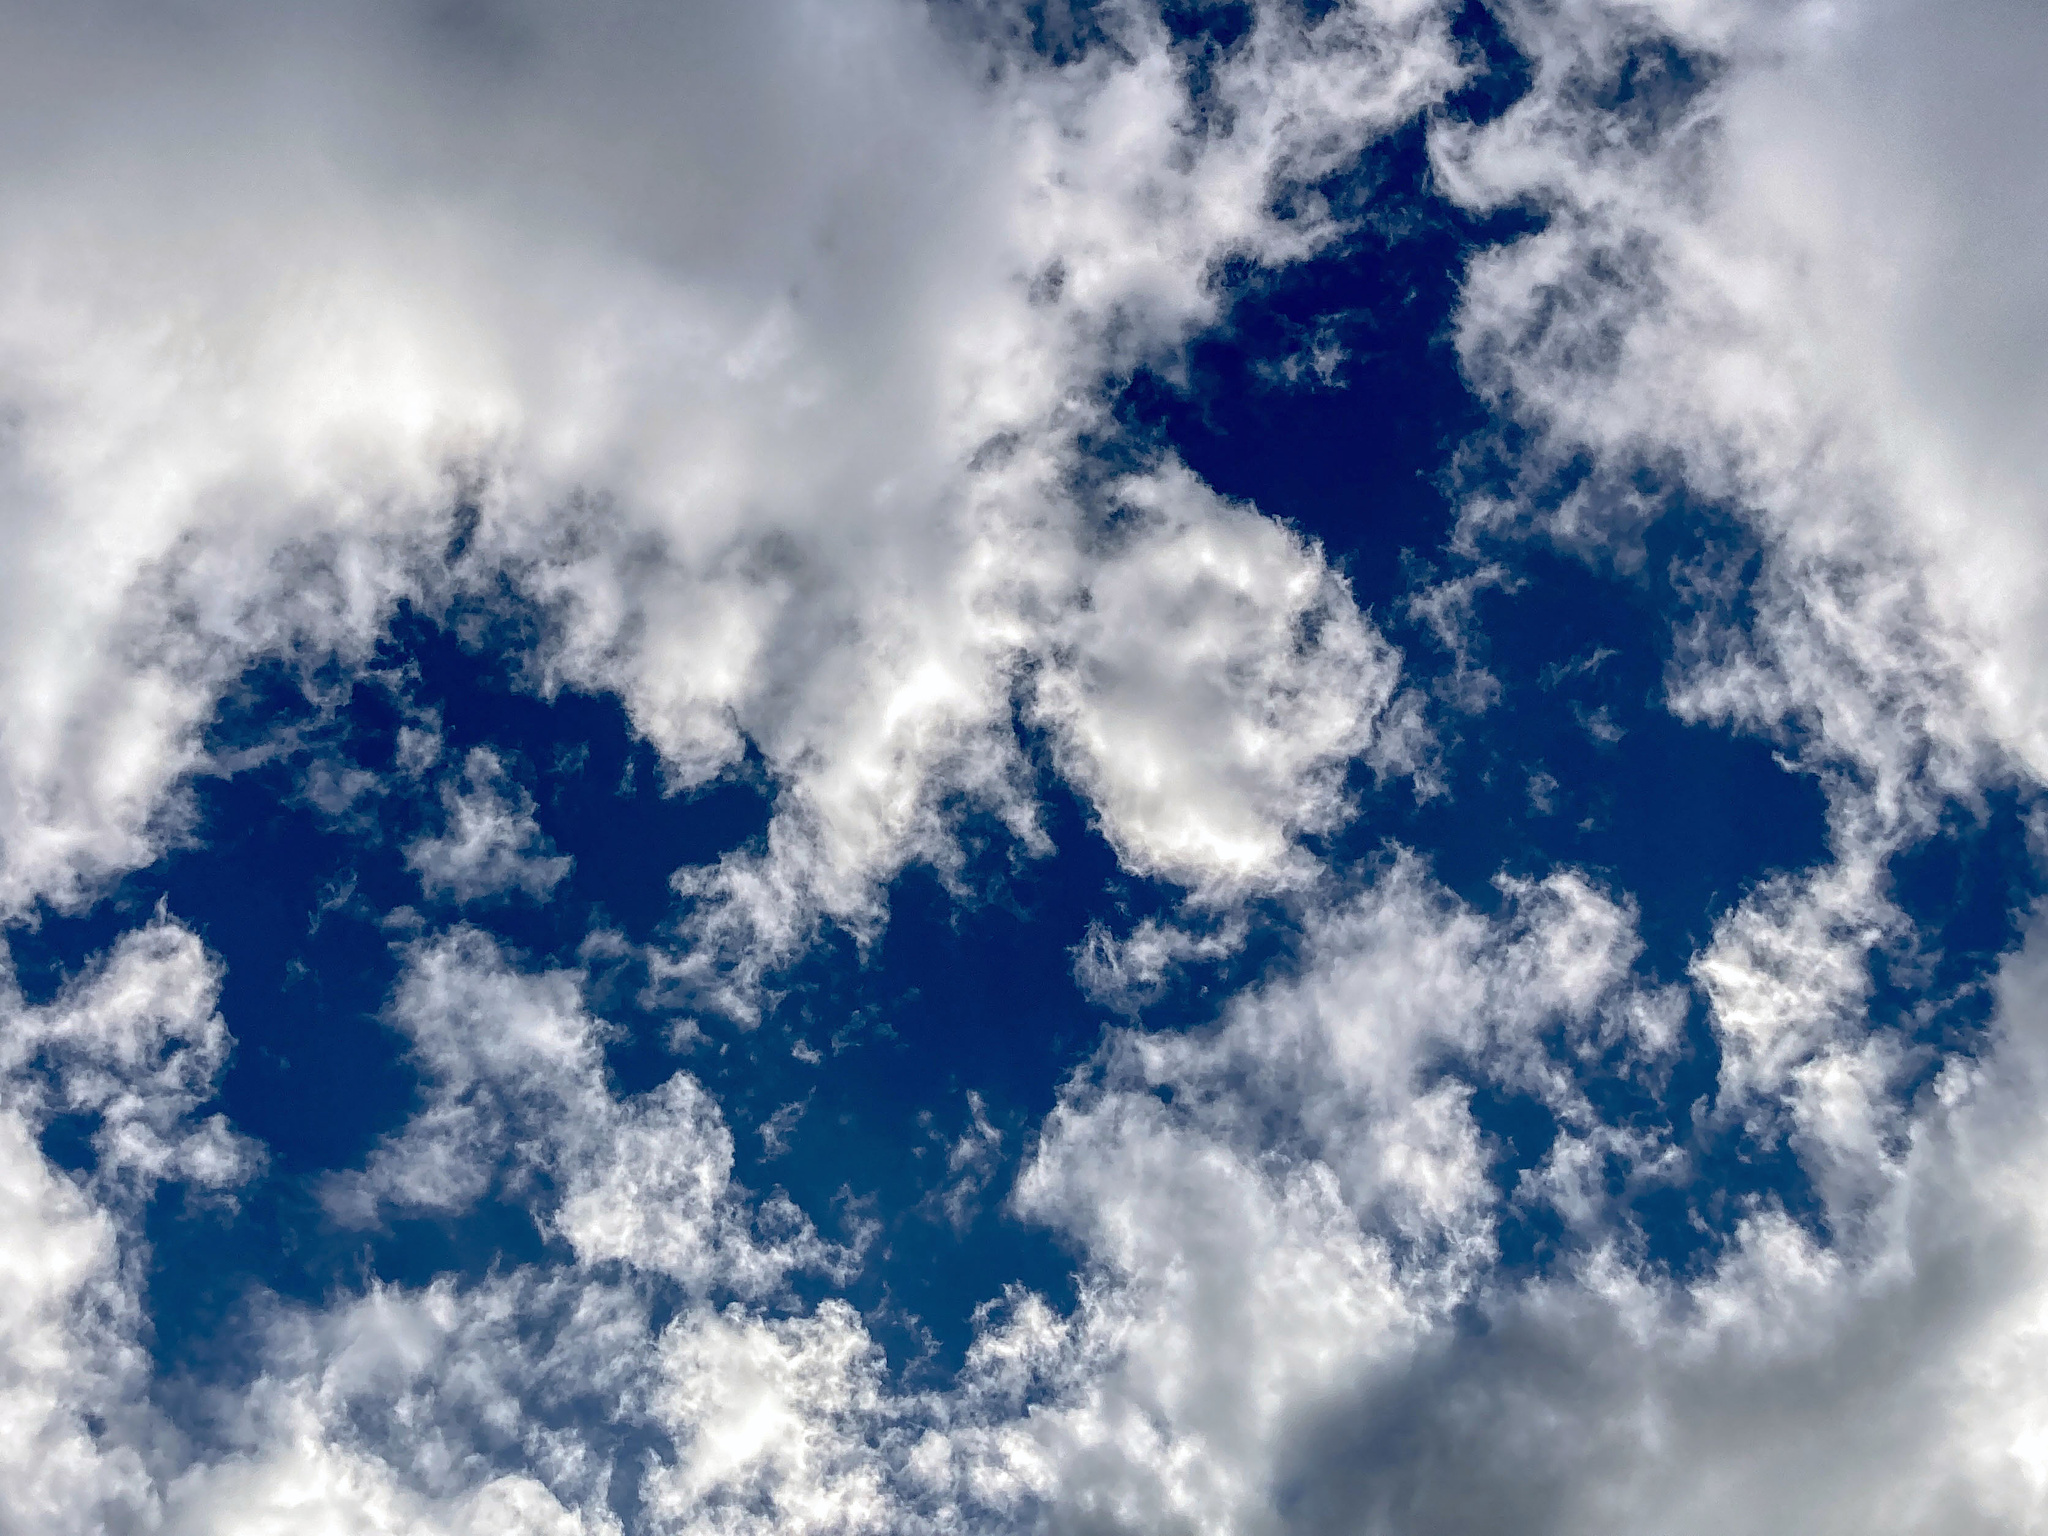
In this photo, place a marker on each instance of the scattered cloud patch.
(491, 845)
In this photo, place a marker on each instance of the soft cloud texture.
(132, 1047)
(1779, 273)
(515, 1103)
(1782, 270)
(491, 844)
(756, 351)
(772, 413)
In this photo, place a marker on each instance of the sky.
(1081, 767)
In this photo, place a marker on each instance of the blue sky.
(1067, 767)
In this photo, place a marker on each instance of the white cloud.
(133, 1045)
(761, 339)
(314, 1487)
(1291, 1314)
(776, 1422)
(740, 332)
(1798, 290)
(491, 844)
(1210, 688)
(514, 1101)
(1870, 1384)
(66, 1322)
(432, 1411)
(1268, 1340)
(1281, 1211)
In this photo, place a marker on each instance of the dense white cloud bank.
(756, 345)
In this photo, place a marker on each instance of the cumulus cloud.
(441, 1410)
(766, 390)
(1292, 1204)
(1863, 1384)
(1210, 689)
(776, 1422)
(756, 349)
(1779, 270)
(1292, 1313)
(132, 1047)
(67, 1334)
(491, 844)
(515, 1102)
